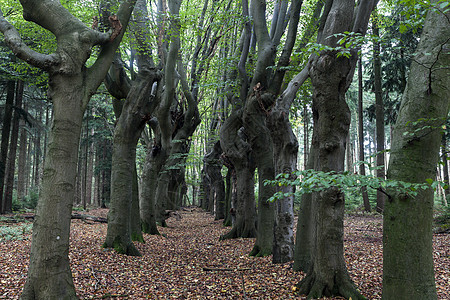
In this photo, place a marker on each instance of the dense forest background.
(253, 111)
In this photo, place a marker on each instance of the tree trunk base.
(122, 247)
(239, 232)
(137, 237)
(227, 222)
(257, 251)
(341, 285)
(150, 228)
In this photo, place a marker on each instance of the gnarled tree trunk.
(135, 113)
(237, 151)
(330, 77)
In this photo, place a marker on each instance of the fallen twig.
(207, 269)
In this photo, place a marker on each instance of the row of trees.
(237, 63)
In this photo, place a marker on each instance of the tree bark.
(285, 158)
(237, 150)
(49, 274)
(328, 274)
(135, 113)
(228, 196)
(71, 85)
(304, 239)
(445, 168)
(262, 148)
(124, 215)
(362, 166)
(408, 271)
(152, 167)
(7, 201)
(330, 77)
(6, 130)
(379, 113)
(213, 168)
(21, 168)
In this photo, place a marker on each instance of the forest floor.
(175, 265)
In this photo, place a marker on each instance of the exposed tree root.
(123, 247)
(150, 228)
(257, 251)
(340, 285)
(137, 237)
(239, 231)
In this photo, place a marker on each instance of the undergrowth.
(15, 232)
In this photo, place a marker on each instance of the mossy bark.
(408, 271)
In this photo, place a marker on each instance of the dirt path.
(175, 265)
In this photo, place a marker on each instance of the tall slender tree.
(379, 110)
(362, 167)
(9, 182)
(6, 130)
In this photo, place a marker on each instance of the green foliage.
(423, 126)
(310, 181)
(442, 218)
(348, 41)
(15, 232)
(28, 202)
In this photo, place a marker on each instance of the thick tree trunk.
(49, 275)
(305, 136)
(304, 239)
(254, 119)
(6, 129)
(152, 167)
(162, 198)
(135, 218)
(135, 113)
(204, 194)
(7, 201)
(408, 271)
(328, 273)
(237, 151)
(445, 168)
(330, 77)
(71, 85)
(213, 167)
(362, 167)
(245, 210)
(119, 216)
(228, 195)
(285, 151)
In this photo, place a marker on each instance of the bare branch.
(288, 96)
(22, 51)
(98, 71)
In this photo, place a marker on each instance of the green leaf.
(403, 28)
(429, 180)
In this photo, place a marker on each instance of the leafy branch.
(311, 181)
